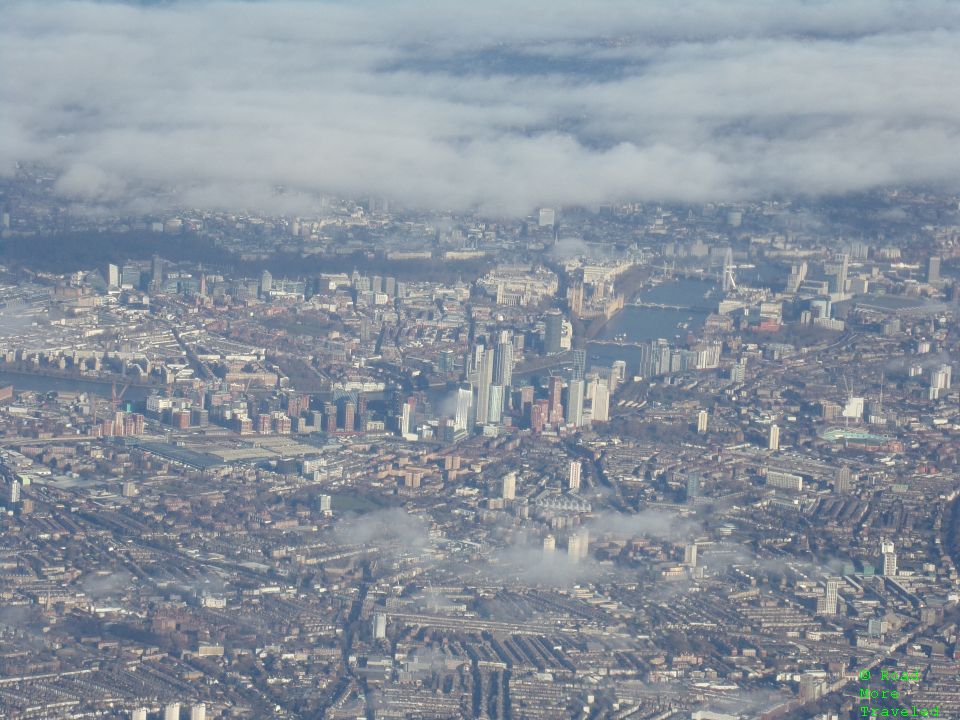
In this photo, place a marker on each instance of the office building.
(579, 363)
(130, 276)
(553, 330)
(485, 359)
(575, 392)
(461, 420)
(933, 270)
(496, 400)
(539, 415)
(526, 399)
(156, 272)
(693, 486)
(503, 362)
(690, 555)
(555, 395)
(600, 407)
(407, 416)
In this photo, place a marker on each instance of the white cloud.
(500, 106)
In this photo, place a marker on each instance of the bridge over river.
(665, 306)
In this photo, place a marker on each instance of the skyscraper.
(690, 555)
(553, 329)
(464, 404)
(539, 415)
(703, 417)
(600, 409)
(156, 272)
(889, 555)
(575, 392)
(738, 372)
(407, 416)
(940, 380)
(578, 545)
(555, 393)
(841, 262)
(773, 439)
(484, 381)
(933, 269)
(830, 598)
(579, 363)
(526, 399)
(503, 362)
(496, 400)
(573, 479)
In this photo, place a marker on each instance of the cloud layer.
(496, 106)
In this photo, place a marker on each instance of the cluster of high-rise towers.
(490, 373)
(490, 393)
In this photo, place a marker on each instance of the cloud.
(99, 586)
(652, 523)
(493, 106)
(527, 565)
(393, 530)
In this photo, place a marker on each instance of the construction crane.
(880, 404)
(116, 398)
